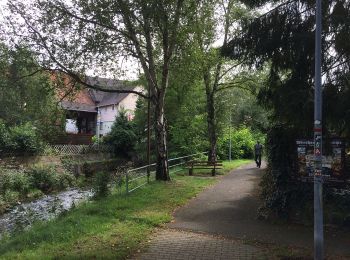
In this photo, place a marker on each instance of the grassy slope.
(110, 228)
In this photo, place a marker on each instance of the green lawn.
(110, 228)
(229, 165)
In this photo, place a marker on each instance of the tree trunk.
(162, 168)
(212, 135)
(211, 127)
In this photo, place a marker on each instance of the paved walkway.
(170, 244)
(228, 209)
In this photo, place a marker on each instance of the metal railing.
(138, 177)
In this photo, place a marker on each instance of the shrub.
(279, 193)
(14, 180)
(242, 143)
(16, 185)
(122, 136)
(46, 178)
(65, 180)
(5, 141)
(11, 196)
(97, 140)
(25, 140)
(101, 182)
(43, 178)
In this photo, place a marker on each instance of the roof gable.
(88, 99)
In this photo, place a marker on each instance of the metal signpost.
(318, 179)
(148, 132)
(230, 147)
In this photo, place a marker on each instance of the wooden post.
(213, 170)
(127, 183)
(190, 170)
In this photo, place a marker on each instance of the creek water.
(21, 217)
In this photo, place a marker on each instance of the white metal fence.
(138, 177)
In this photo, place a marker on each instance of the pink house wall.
(128, 103)
(108, 114)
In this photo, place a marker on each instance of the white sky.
(131, 68)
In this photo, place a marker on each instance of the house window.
(101, 126)
(113, 107)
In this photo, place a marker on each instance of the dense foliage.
(289, 28)
(278, 193)
(242, 143)
(81, 37)
(283, 39)
(19, 184)
(122, 137)
(286, 198)
(27, 94)
(21, 139)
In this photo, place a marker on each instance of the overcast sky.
(131, 66)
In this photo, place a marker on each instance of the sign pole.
(318, 209)
(230, 148)
(149, 133)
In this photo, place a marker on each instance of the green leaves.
(26, 93)
(122, 136)
(19, 140)
(284, 39)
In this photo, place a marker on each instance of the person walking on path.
(258, 151)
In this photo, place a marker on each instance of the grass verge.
(109, 228)
(227, 167)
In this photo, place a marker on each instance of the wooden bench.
(191, 165)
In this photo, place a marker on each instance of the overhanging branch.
(69, 72)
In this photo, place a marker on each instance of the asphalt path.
(229, 209)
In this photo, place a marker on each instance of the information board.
(332, 160)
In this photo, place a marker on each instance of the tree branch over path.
(68, 71)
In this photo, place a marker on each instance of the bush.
(16, 185)
(242, 143)
(122, 136)
(11, 196)
(101, 182)
(280, 194)
(5, 141)
(19, 140)
(14, 180)
(25, 140)
(97, 140)
(46, 178)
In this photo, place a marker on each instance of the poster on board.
(332, 160)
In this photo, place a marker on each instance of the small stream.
(21, 217)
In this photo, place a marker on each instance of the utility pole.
(318, 178)
(148, 133)
(230, 149)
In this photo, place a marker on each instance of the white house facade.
(91, 112)
(108, 111)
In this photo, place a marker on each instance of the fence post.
(127, 182)
(148, 173)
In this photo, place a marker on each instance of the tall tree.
(216, 18)
(284, 38)
(78, 36)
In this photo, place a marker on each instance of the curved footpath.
(219, 221)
